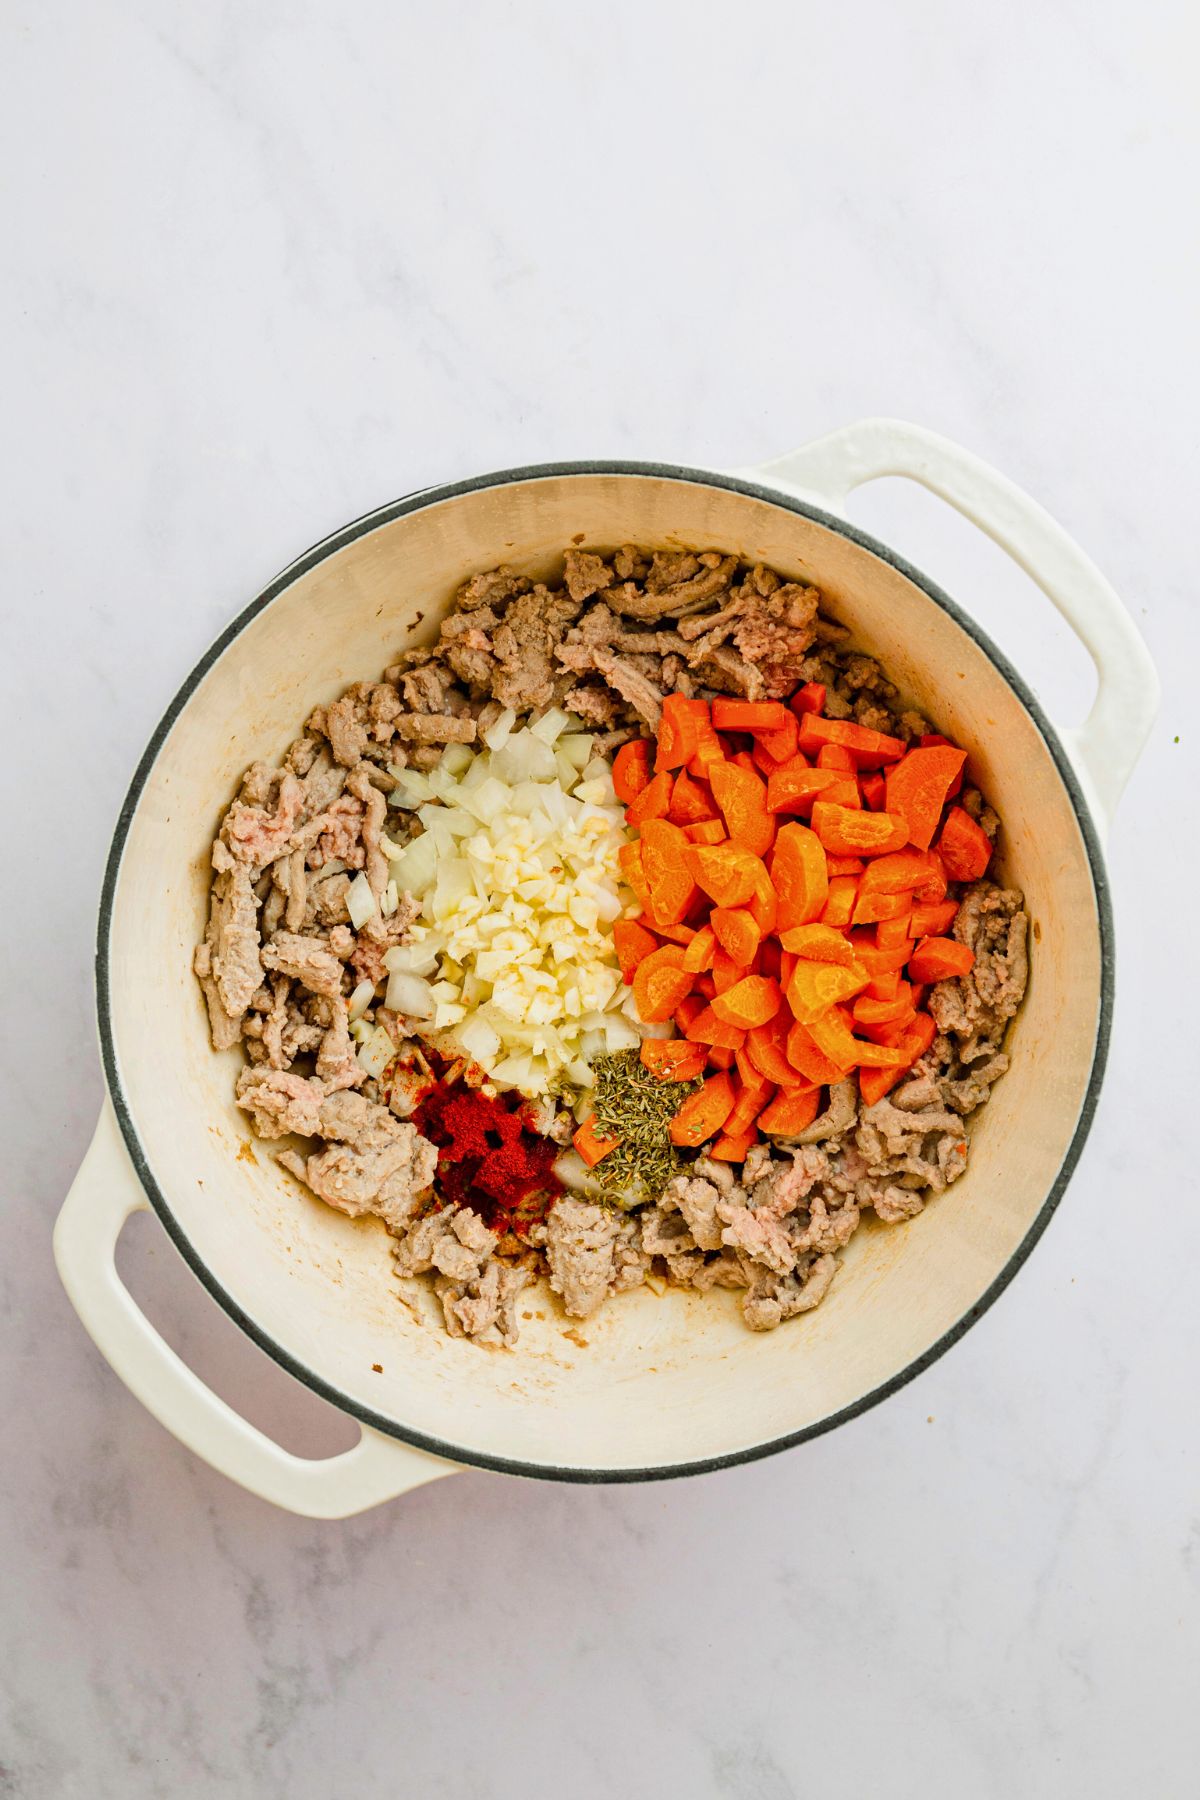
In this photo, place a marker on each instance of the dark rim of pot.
(458, 1453)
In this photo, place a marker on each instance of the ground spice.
(631, 1103)
(490, 1156)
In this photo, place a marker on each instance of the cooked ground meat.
(280, 958)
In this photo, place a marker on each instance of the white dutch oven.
(654, 1386)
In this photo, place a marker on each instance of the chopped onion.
(360, 902)
(410, 994)
(456, 759)
(550, 726)
(389, 900)
(496, 735)
(360, 999)
(376, 1052)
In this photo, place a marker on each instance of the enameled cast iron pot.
(662, 1385)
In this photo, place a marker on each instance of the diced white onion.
(456, 759)
(376, 1052)
(360, 902)
(410, 995)
(496, 735)
(360, 999)
(550, 726)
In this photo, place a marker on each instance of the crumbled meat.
(279, 1103)
(697, 1203)
(306, 960)
(454, 1241)
(373, 1162)
(233, 959)
(838, 1116)
(435, 728)
(771, 1299)
(580, 1242)
(359, 783)
(337, 1065)
(585, 574)
(257, 836)
(484, 1308)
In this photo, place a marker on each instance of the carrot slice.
(664, 858)
(698, 955)
(819, 943)
(791, 1112)
(918, 787)
(708, 831)
(678, 731)
(816, 986)
(741, 795)
(781, 744)
(874, 792)
(884, 987)
(754, 1000)
(793, 788)
(964, 846)
(869, 748)
(897, 1011)
(870, 907)
(634, 870)
(893, 933)
(631, 770)
(703, 1113)
(839, 907)
(632, 943)
(728, 873)
(900, 872)
(873, 1084)
(810, 1061)
(707, 1028)
(591, 1146)
(845, 832)
(801, 879)
(752, 1096)
(688, 1011)
(690, 803)
(766, 1049)
(831, 1033)
(725, 972)
(748, 715)
(673, 1059)
(808, 699)
(653, 802)
(737, 933)
(836, 756)
(733, 1149)
(934, 919)
(938, 958)
(660, 982)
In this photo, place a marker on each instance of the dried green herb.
(632, 1104)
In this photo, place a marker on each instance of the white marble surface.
(265, 266)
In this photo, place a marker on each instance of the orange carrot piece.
(939, 958)
(698, 955)
(843, 792)
(632, 943)
(876, 961)
(831, 1033)
(728, 873)
(709, 748)
(677, 934)
(664, 857)
(741, 795)
(688, 1011)
(869, 748)
(846, 832)
(900, 872)
(800, 875)
(896, 1011)
(752, 1096)
(725, 972)
(874, 791)
(873, 1084)
(781, 744)
(816, 986)
(660, 982)
(591, 1146)
(845, 865)
(631, 770)
(733, 1149)
(839, 907)
(673, 1059)
(893, 933)
(748, 715)
(791, 1112)
(808, 699)
(835, 756)
(634, 870)
(819, 943)
(793, 788)
(870, 907)
(884, 987)
(704, 983)
(754, 1000)
(690, 803)
(720, 1056)
(708, 831)
(707, 1028)
(965, 848)
(918, 786)
(934, 918)
(766, 1050)
(653, 802)
(764, 904)
(703, 1113)
(678, 731)
(810, 1061)
(737, 933)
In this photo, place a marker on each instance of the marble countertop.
(264, 268)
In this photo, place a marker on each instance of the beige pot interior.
(652, 1381)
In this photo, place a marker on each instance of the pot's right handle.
(1106, 747)
(105, 1193)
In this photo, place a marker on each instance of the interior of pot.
(654, 1380)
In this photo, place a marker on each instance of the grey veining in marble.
(264, 267)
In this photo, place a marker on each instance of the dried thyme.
(630, 1103)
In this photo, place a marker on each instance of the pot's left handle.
(105, 1193)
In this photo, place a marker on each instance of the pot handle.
(105, 1193)
(1106, 747)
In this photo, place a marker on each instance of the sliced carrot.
(914, 1041)
(737, 933)
(964, 846)
(900, 872)
(918, 787)
(876, 961)
(634, 870)
(766, 1049)
(752, 1096)
(869, 748)
(843, 792)
(873, 1084)
(801, 879)
(780, 744)
(819, 943)
(764, 904)
(748, 715)
(831, 1033)
(884, 987)
(708, 831)
(741, 759)
(893, 933)
(632, 943)
(791, 1112)
(678, 731)
(836, 756)
(934, 918)
(808, 699)
(725, 972)
(728, 873)
(677, 934)
(631, 770)
(935, 737)
(816, 986)
(873, 791)
(870, 907)
(939, 958)
(794, 787)
(935, 888)
(812, 1062)
(845, 865)
(720, 1056)
(691, 803)
(704, 983)
(664, 858)
(703, 1113)
(591, 1146)
(733, 1149)
(741, 795)
(688, 1011)
(709, 749)
(698, 955)
(660, 982)
(896, 1011)
(653, 802)
(839, 907)
(673, 1059)
(754, 1000)
(845, 832)
(707, 1028)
